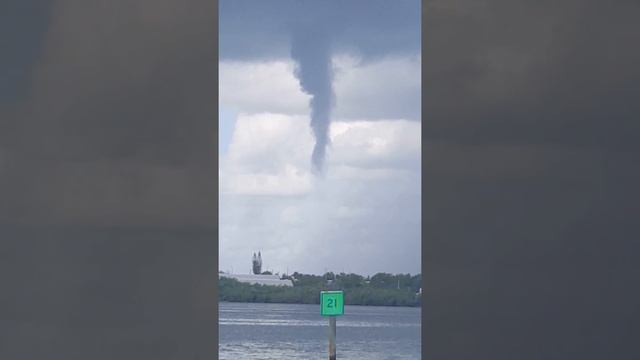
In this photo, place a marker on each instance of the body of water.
(297, 331)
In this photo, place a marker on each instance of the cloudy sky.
(359, 210)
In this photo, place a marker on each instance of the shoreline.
(302, 303)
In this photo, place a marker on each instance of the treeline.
(381, 289)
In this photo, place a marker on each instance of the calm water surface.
(295, 331)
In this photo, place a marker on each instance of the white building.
(258, 279)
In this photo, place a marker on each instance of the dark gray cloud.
(370, 28)
(530, 149)
(365, 38)
(107, 179)
(313, 31)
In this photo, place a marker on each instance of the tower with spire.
(257, 263)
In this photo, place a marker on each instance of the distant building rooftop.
(258, 279)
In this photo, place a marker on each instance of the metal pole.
(332, 337)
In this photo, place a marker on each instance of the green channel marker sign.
(331, 303)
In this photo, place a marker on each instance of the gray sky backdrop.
(362, 214)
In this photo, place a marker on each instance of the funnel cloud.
(325, 147)
(310, 48)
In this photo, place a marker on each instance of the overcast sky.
(361, 213)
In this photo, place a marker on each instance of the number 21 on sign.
(331, 303)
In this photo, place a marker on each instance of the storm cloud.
(314, 32)
(373, 28)
(352, 70)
